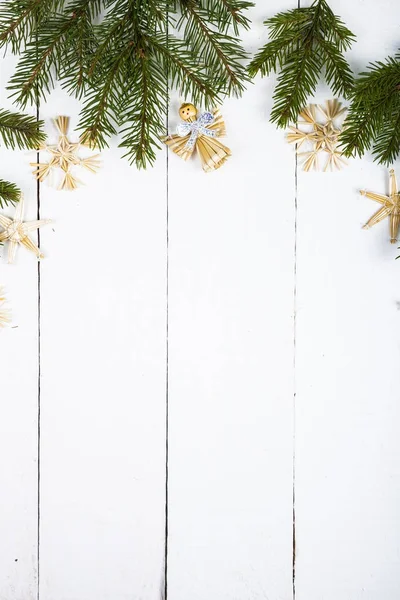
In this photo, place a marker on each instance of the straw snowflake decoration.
(4, 312)
(16, 232)
(64, 156)
(317, 132)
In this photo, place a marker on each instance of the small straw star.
(64, 156)
(16, 232)
(321, 135)
(5, 313)
(390, 208)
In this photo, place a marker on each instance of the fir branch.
(19, 17)
(79, 46)
(387, 142)
(183, 71)
(60, 49)
(100, 113)
(298, 78)
(304, 41)
(374, 115)
(116, 30)
(222, 55)
(337, 73)
(9, 193)
(62, 41)
(20, 131)
(119, 44)
(229, 13)
(144, 120)
(17, 131)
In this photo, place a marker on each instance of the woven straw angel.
(200, 134)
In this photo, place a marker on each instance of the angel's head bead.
(188, 111)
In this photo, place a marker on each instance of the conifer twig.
(303, 41)
(9, 193)
(17, 131)
(20, 131)
(374, 116)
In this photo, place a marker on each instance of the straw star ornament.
(390, 208)
(318, 131)
(16, 232)
(64, 156)
(4, 312)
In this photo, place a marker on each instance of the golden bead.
(188, 111)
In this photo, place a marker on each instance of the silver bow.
(196, 128)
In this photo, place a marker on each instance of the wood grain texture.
(103, 361)
(19, 392)
(231, 359)
(347, 380)
(280, 368)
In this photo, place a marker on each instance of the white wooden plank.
(103, 388)
(347, 451)
(230, 359)
(19, 391)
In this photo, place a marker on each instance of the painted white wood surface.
(347, 366)
(231, 360)
(103, 361)
(19, 394)
(244, 408)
